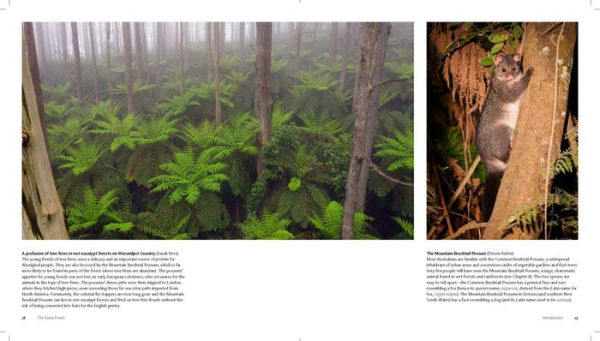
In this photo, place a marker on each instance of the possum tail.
(490, 190)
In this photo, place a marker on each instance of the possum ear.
(498, 59)
(517, 58)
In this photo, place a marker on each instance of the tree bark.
(334, 43)
(262, 99)
(139, 53)
(181, 59)
(93, 50)
(242, 47)
(78, 78)
(108, 61)
(41, 208)
(298, 45)
(159, 29)
(345, 58)
(128, 70)
(209, 50)
(31, 51)
(377, 78)
(539, 130)
(42, 62)
(64, 49)
(360, 107)
(218, 114)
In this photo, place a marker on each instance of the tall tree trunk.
(159, 29)
(539, 130)
(78, 78)
(128, 70)
(93, 50)
(360, 107)
(333, 43)
(43, 61)
(41, 209)
(110, 81)
(345, 58)
(242, 47)
(65, 50)
(298, 45)
(377, 78)
(139, 53)
(209, 49)
(181, 59)
(30, 44)
(262, 98)
(144, 44)
(218, 33)
(86, 41)
(118, 39)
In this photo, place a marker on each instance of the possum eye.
(503, 70)
(514, 69)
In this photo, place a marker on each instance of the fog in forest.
(228, 130)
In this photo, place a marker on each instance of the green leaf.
(487, 60)
(497, 48)
(294, 184)
(497, 38)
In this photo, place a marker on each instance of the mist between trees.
(218, 130)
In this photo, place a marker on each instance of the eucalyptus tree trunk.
(298, 45)
(539, 130)
(43, 61)
(29, 41)
(159, 30)
(368, 33)
(345, 59)
(209, 51)
(128, 70)
(181, 59)
(377, 78)
(139, 50)
(64, 49)
(242, 47)
(262, 99)
(333, 43)
(78, 77)
(93, 50)
(110, 81)
(218, 34)
(41, 209)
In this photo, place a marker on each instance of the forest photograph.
(217, 130)
(502, 145)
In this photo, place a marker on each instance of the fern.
(564, 163)
(188, 176)
(330, 222)
(176, 105)
(82, 158)
(268, 226)
(406, 225)
(87, 213)
(166, 221)
(399, 150)
(121, 130)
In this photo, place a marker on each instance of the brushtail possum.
(497, 123)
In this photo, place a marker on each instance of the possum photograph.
(502, 140)
(217, 130)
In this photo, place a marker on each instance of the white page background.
(309, 290)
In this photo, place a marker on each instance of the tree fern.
(399, 150)
(329, 223)
(81, 158)
(268, 226)
(188, 176)
(406, 225)
(176, 105)
(87, 213)
(121, 130)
